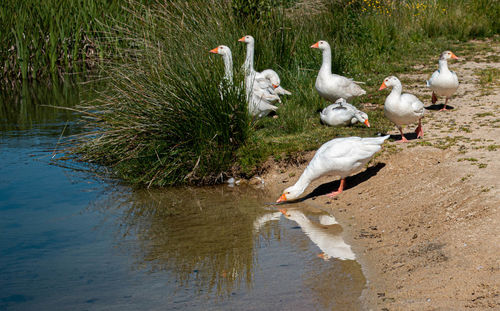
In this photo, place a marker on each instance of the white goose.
(253, 77)
(228, 62)
(339, 157)
(402, 109)
(332, 86)
(443, 81)
(259, 100)
(342, 113)
(330, 242)
(271, 76)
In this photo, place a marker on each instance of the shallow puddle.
(71, 241)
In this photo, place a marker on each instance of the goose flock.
(340, 156)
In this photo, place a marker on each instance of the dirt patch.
(424, 217)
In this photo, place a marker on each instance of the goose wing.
(416, 105)
(433, 78)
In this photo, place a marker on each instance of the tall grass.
(162, 120)
(42, 40)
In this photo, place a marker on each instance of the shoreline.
(423, 217)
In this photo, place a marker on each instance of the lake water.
(70, 240)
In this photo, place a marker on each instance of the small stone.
(414, 236)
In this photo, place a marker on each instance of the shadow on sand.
(409, 136)
(350, 182)
(439, 107)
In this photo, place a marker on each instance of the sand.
(423, 218)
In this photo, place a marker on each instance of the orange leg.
(403, 138)
(434, 98)
(419, 130)
(341, 188)
(444, 107)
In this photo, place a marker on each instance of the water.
(72, 241)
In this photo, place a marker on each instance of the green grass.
(489, 77)
(162, 122)
(44, 41)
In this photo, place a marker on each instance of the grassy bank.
(162, 120)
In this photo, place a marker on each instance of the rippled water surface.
(72, 241)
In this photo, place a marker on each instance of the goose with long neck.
(259, 101)
(339, 157)
(267, 80)
(331, 86)
(443, 81)
(404, 108)
(228, 61)
(342, 113)
(329, 241)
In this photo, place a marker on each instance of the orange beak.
(383, 86)
(283, 211)
(315, 45)
(275, 85)
(282, 198)
(242, 39)
(367, 123)
(215, 51)
(453, 56)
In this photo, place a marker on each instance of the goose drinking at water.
(339, 157)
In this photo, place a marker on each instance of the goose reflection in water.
(326, 234)
(259, 222)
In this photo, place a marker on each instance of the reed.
(43, 41)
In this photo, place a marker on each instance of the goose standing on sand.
(252, 77)
(339, 157)
(329, 241)
(259, 101)
(332, 86)
(402, 109)
(342, 113)
(443, 81)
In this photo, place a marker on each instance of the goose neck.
(228, 67)
(326, 66)
(443, 64)
(303, 181)
(396, 90)
(248, 65)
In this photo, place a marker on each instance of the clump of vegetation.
(162, 121)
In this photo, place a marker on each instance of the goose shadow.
(350, 182)
(438, 107)
(409, 136)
